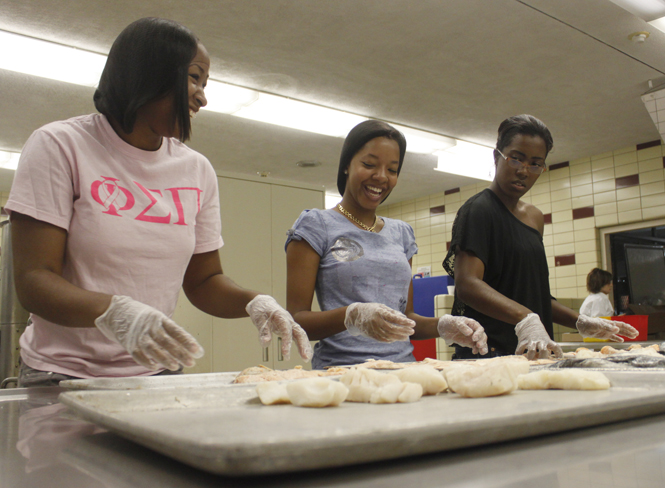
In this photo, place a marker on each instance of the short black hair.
(526, 125)
(148, 60)
(360, 135)
(596, 279)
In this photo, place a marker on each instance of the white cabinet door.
(199, 324)
(255, 218)
(247, 260)
(287, 204)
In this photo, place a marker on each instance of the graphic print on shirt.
(402, 304)
(345, 250)
(120, 201)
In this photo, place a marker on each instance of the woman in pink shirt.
(112, 214)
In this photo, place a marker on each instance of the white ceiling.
(454, 67)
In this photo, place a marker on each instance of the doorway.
(635, 255)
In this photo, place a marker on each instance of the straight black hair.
(522, 124)
(148, 60)
(360, 135)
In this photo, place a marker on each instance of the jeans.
(29, 377)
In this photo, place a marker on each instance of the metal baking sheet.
(152, 382)
(225, 430)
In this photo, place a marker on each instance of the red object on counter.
(424, 349)
(640, 322)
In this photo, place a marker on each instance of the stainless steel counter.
(43, 445)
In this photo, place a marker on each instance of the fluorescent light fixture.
(645, 9)
(226, 98)
(659, 24)
(418, 141)
(9, 159)
(309, 117)
(63, 63)
(49, 60)
(300, 115)
(467, 159)
(332, 199)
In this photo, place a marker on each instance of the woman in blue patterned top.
(359, 264)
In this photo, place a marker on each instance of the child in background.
(597, 304)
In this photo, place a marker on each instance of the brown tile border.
(627, 181)
(552, 167)
(547, 218)
(451, 191)
(564, 260)
(437, 210)
(663, 161)
(582, 212)
(649, 144)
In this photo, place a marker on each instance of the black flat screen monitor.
(646, 274)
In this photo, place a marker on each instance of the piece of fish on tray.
(612, 362)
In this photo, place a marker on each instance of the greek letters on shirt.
(130, 201)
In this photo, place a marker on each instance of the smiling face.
(372, 174)
(513, 183)
(156, 119)
(198, 72)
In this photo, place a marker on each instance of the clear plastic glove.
(464, 332)
(604, 329)
(378, 321)
(533, 338)
(153, 339)
(270, 318)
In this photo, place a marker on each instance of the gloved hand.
(604, 329)
(463, 331)
(532, 336)
(270, 318)
(378, 321)
(151, 337)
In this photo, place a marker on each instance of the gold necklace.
(348, 215)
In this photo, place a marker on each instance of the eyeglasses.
(536, 168)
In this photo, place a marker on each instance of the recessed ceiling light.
(308, 163)
(263, 174)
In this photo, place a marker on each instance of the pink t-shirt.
(134, 218)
